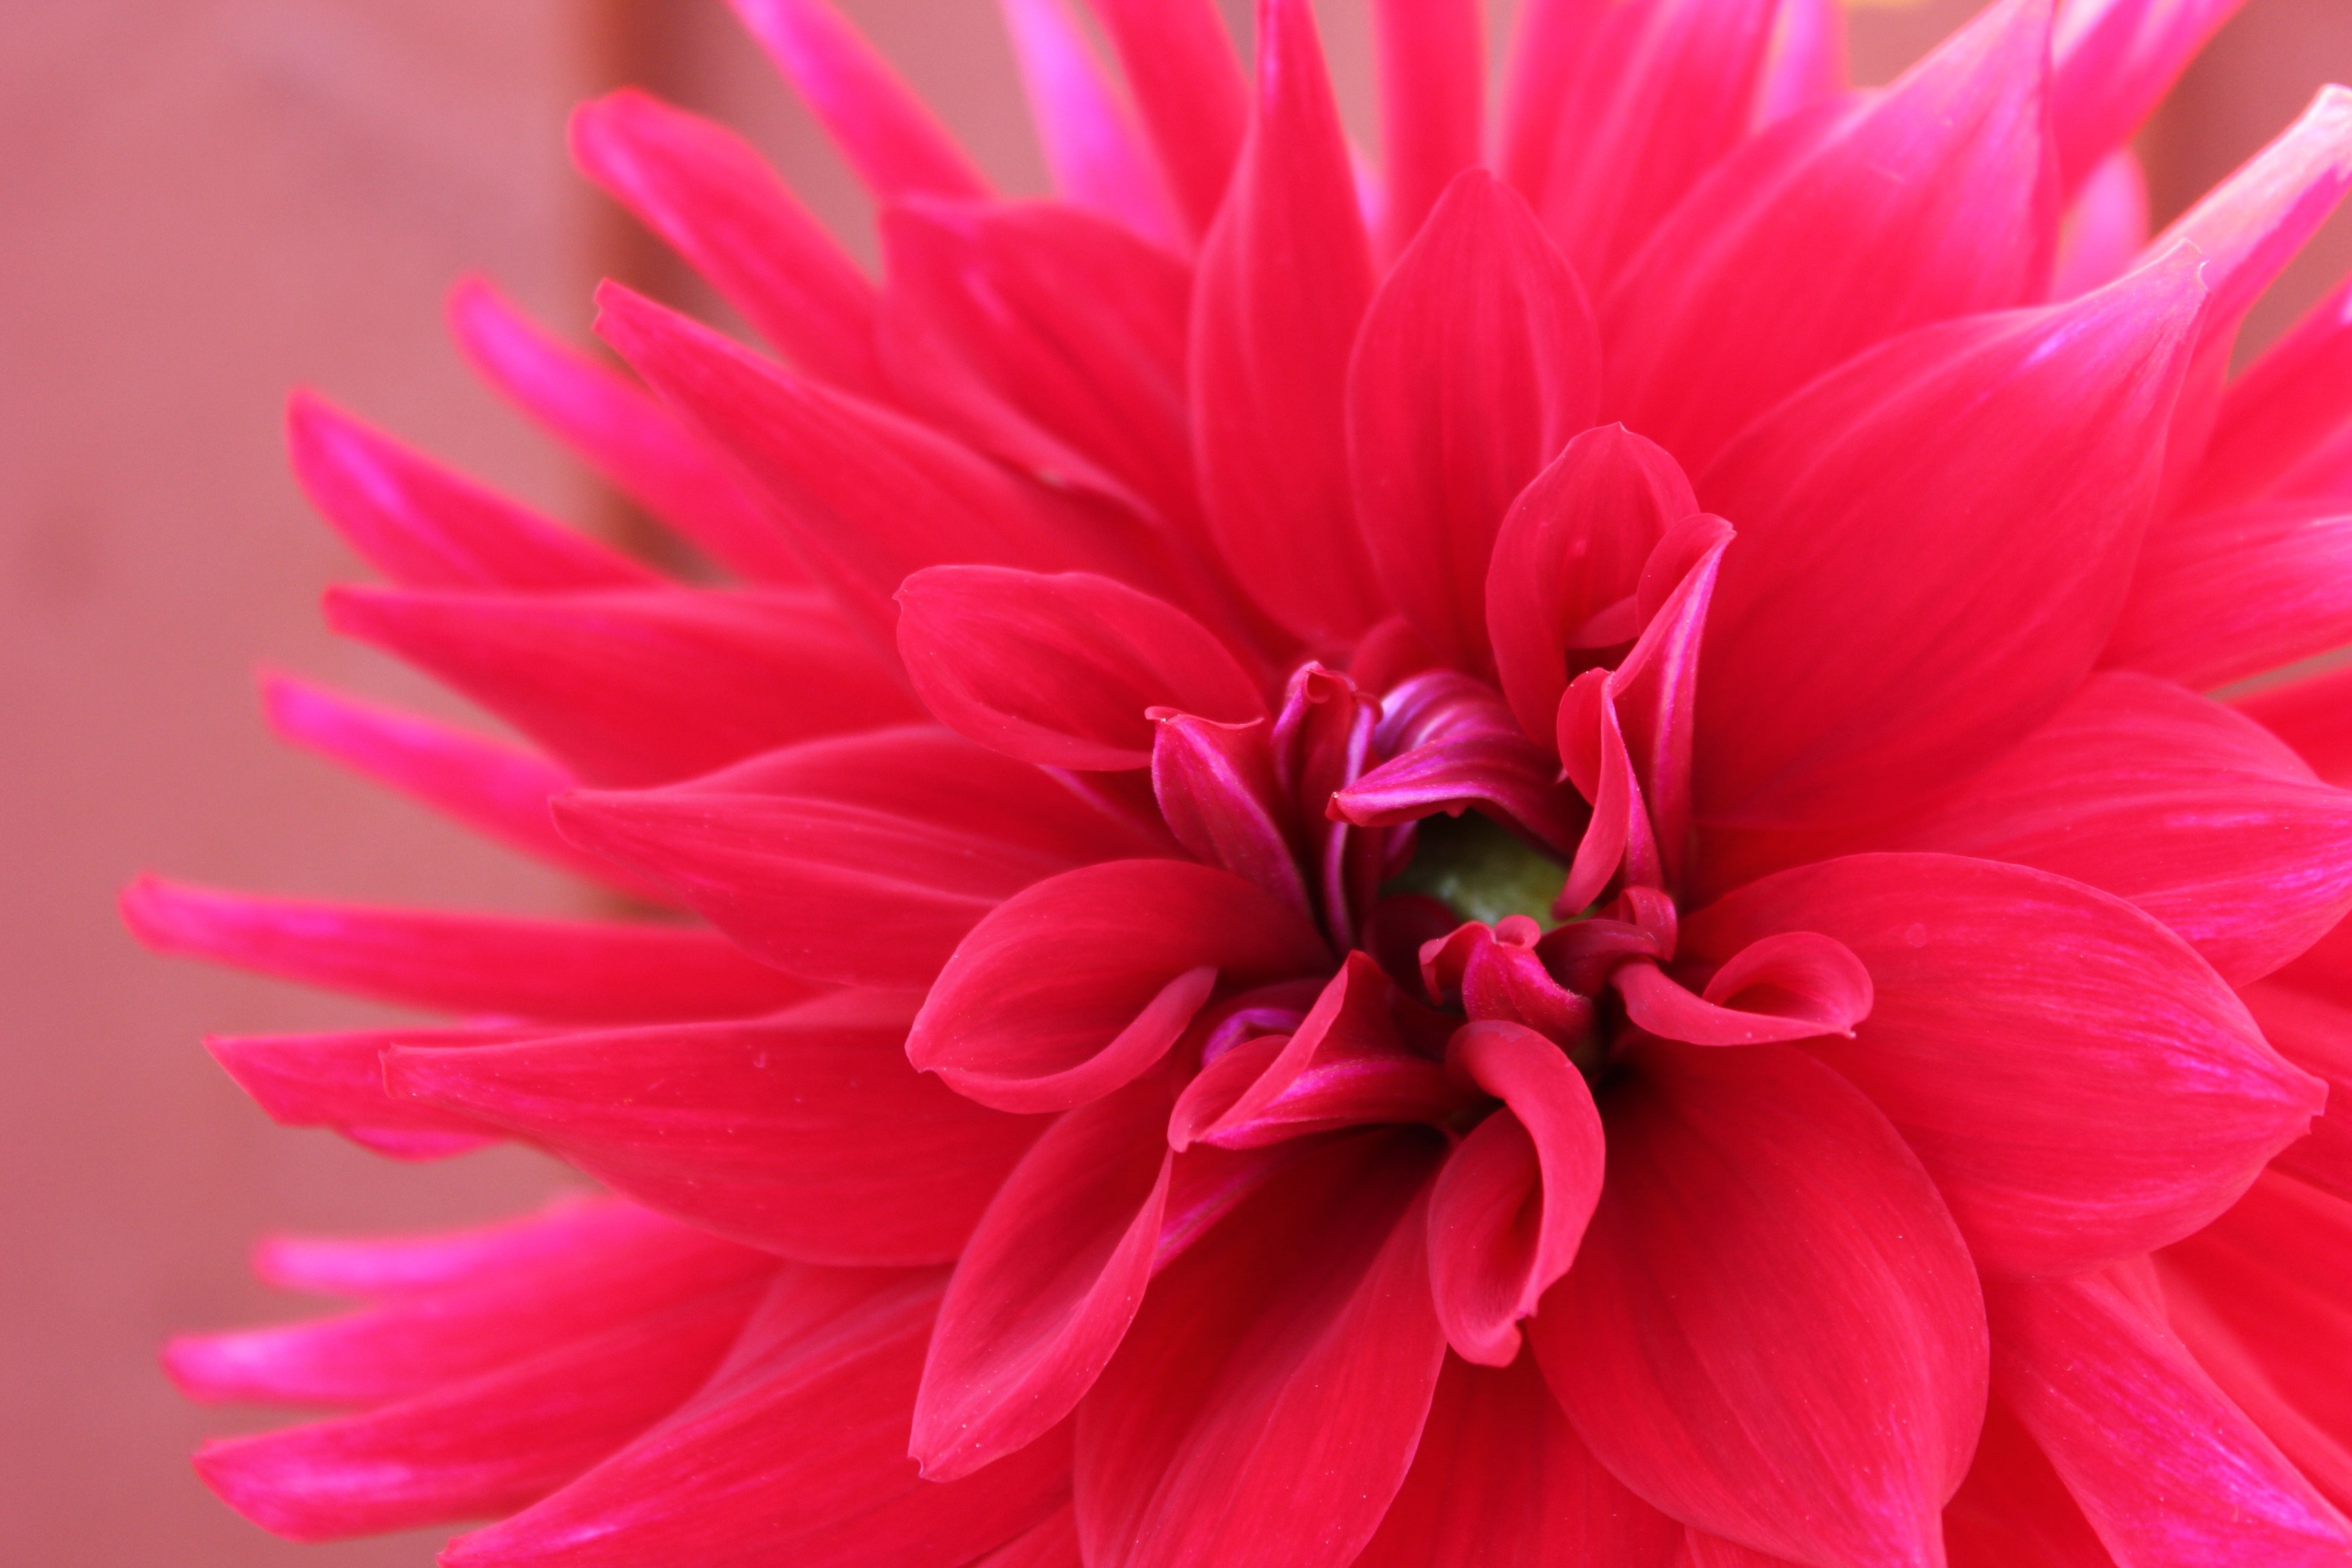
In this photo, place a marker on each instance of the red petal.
(867, 886)
(2115, 62)
(1510, 1206)
(1573, 546)
(1808, 61)
(1092, 148)
(2229, 594)
(794, 1453)
(2013, 1511)
(570, 1225)
(1217, 789)
(805, 1133)
(1049, 1282)
(486, 1446)
(714, 198)
(1189, 90)
(1614, 111)
(639, 688)
(498, 790)
(2021, 453)
(1049, 337)
(2316, 1034)
(2082, 1086)
(1075, 986)
(1265, 1404)
(1282, 281)
(865, 495)
(425, 527)
(585, 972)
(2170, 1473)
(1059, 670)
(2280, 422)
(879, 126)
(1773, 1330)
(2150, 793)
(337, 1080)
(610, 423)
(1941, 199)
(421, 1340)
(1052, 1544)
(2105, 229)
(1432, 79)
(2314, 715)
(1502, 1480)
(1796, 985)
(1477, 363)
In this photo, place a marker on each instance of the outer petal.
(2228, 594)
(2168, 1471)
(2157, 796)
(425, 527)
(1942, 198)
(337, 1080)
(1477, 363)
(1432, 76)
(1502, 1480)
(2081, 1084)
(2281, 424)
(1078, 985)
(867, 495)
(1061, 670)
(805, 1133)
(2106, 226)
(561, 970)
(1266, 1403)
(488, 1444)
(639, 688)
(885, 131)
(1189, 90)
(2315, 1034)
(793, 1453)
(1511, 1204)
(2116, 59)
(1614, 111)
(1561, 589)
(372, 1266)
(1773, 1330)
(2014, 1510)
(617, 429)
(1284, 279)
(705, 191)
(1097, 158)
(2314, 715)
(2020, 453)
(1046, 1289)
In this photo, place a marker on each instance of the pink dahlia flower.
(1422, 869)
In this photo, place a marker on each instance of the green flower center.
(1480, 870)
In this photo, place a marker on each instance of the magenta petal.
(1477, 363)
(2115, 62)
(572, 1226)
(2223, 595)
(1189, 93)
(1061, 670)
(1571, 550)
(1834, 687)
(486, 1445)
(425, 527)
(1773, 1330)
(2168, 1471)
(2106, 227)
(1078, 984)
(1092, 147)
(1283, 280)
(499, 790)
(804, 1132)
(885, 131)
(1045, 1290)
(2316, 1034)
(1502, 1480)
(2014, 1510)
(561, 971)
(1433, 78)
(1614, 111)
(2082, 1086)
(1794, 985)
(337, 1080)
(710, 195)
(1943, 201)
(1265, 1404)
(794, 1452)
(638, 687)
(1511, 1204)
(2157, 796)
(1217, 790)
(2281, 424)
(868, 879)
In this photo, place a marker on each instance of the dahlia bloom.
(1419, 867)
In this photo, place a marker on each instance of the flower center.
(1480, 870)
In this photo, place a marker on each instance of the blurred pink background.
(207, 203)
